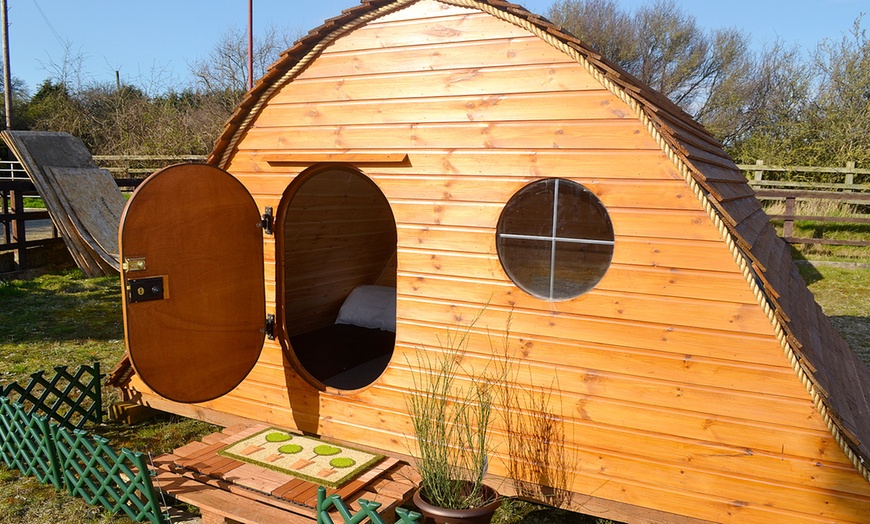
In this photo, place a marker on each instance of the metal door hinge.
(266, 221)
(270, 326)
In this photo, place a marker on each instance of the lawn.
(66, 319)
(844, 294)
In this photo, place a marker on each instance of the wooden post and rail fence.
(835, 184)
(840, 184)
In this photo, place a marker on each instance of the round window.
(554, 239)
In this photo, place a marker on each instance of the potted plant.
(451, 424)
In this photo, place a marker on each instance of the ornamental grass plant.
(451, 424)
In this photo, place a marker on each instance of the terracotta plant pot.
(438, 515)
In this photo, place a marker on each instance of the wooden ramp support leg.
(214, 518)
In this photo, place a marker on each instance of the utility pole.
(250, 44)
(7, 76)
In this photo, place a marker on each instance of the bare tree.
(602, 24)
(676, 57)
(226, 66)
(841, 110)
(665, 48)
(121, 117)
(813, 113)
(69, 70)
(769, 109)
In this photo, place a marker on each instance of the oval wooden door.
(194, 298)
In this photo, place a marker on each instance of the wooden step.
(130, 412)
(168, 463)
(202, 474)
(222, 507)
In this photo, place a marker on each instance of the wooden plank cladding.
(444, 29)
(483, 135)
(495, 108)
(622, 164)
(505, 51)
(676, 386)
(467, 116)
(477, 81)
(353, 158)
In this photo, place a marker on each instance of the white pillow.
(370, 307)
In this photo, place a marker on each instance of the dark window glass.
(555, 239)
(524, 217)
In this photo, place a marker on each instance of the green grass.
(33, 202)
(23, 500)
(844, 294)
(66, 319)
(59, 319)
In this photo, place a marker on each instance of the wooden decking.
(228, 490)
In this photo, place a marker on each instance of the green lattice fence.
(71, 399)
(368, 510)
(26, 443)
(40, 436)
(95, 472)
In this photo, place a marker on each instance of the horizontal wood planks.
(455, 109)
(476, 135)
(672, 387)
(338, 233)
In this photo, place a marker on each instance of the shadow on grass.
(856, 332)
(160, 434)
(809, 273)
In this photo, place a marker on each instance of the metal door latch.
(145, 289)
(133, 264)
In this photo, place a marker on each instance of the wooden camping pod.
(697, 378)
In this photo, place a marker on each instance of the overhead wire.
(48, 23)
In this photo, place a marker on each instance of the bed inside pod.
(337, 277)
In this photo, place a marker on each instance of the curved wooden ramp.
(83, 200)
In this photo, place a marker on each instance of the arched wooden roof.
(835, 378)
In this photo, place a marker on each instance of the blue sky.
(156, 40)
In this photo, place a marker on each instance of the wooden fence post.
(7, 232)
(850, 177)
(788, 224)
(759, 174)
(19, 234)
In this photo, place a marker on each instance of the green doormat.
(304, 457)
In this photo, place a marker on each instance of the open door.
(194, 298)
